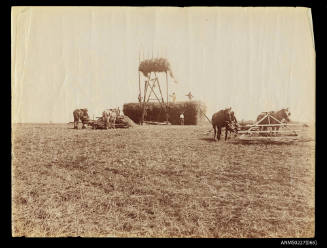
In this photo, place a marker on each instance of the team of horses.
(108, 117)
(224, 118)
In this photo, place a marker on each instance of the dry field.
(157, 181)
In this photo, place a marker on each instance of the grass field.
(158, 181)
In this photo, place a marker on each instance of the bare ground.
(157, 181)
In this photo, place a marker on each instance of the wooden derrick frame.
(152, 80)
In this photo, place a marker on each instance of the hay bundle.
(122, 121)
(125, 121)
(192, 112)
(155, 65)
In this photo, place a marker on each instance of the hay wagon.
(100, 124)
(279, 132)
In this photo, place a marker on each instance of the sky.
(252, 59)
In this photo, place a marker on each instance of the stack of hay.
(155, 65)
(193, 112)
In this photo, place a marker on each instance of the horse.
(80, 115)
(281, 115)
(233, 126)
(222, 118)
(109, 117)
(106, 119)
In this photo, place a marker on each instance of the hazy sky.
(252, 59)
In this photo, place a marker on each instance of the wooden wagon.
(279, 132)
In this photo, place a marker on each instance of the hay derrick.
(191, 109)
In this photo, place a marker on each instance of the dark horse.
(233, 126)
(223, 118)
(80, 115)
(281, 115)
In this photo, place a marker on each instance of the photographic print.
(193, 122)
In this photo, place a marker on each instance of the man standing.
(190, 96)
(181, 117)
(139, 98)
(173, 96)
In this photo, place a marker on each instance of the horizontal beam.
(268, 138)
(272, 125)
(290, 131)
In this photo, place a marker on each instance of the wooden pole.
(162, 99)
(143, 107)
(167, 87)
(205, 116)
(140, 95)
(162, 102)
(149, 79)
(167, 97)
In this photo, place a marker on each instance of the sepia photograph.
(163, 122)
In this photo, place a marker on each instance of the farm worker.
(173, 96)
(181, 117)
(189, 95)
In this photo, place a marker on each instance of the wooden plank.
(155, 123)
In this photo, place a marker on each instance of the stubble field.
(157, 181)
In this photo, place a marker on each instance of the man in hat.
(173, 96)
(189, 95)
(181, 117)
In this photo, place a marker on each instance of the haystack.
(193, 112)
